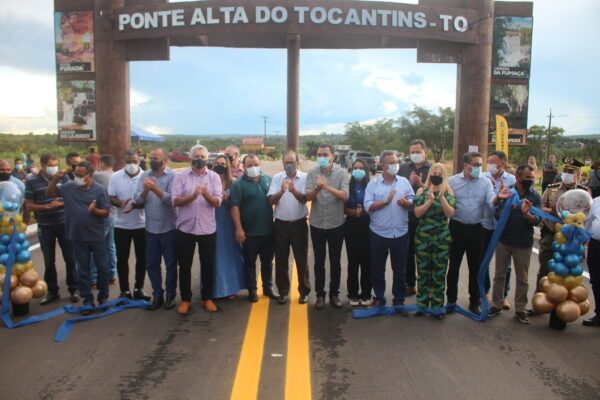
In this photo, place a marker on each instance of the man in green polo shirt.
(253, 218)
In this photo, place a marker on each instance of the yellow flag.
(501, 134)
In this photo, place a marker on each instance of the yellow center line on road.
(297, 372)
(247, 376)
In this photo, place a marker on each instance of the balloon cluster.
(25, 282)
(562, 291)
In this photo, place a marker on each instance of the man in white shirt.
(592, 224)
(129, 225)
(286, 193)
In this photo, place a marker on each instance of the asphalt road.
(139, 354)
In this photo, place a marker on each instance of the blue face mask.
(476, 171)
(323, 162)
(359, 174)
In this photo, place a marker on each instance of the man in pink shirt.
(196, 192)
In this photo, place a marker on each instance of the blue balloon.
(5, 239)
(23, 256)
(571, 260)
(581, 250)
(555, 246)
(577, 271)
(4, 259)
(3, 249)
(564, 214)
(24, 245)
(557, 257)
(551, 265)
(561, 269)
(22, 236)
(564, 250)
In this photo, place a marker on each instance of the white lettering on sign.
(371, 17)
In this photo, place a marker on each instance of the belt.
(298, 221)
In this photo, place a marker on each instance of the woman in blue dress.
(229, 262)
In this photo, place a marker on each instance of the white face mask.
(568, 178)
(253, 172)
(52, 170)
(393, 169)
(132, 169)
(492, 169)
(417, 158)
(79, 181)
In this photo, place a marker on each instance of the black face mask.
(436, 179)
(526, 184)
(73, 166)
(4, 176)
(199, 163)
(156, 165)
(220, 169)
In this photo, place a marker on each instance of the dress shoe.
(268, 292)
(303, 299)
(402, 313)
(335, 302)
(494, 311)
(50, 297)
(320, 303)
(125, 295)
(88, 310)
(592, 322)
(169, 304)
(282, 300)
(440, 317)
(411, 290)
(75, 297)
(184, 307)
(157, 302)
(505, 305)
(209, 305)
(138, 294)
(101, 301)
(474, 308)
(252, 296)
(419, 314)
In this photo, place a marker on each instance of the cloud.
(389, 106)
(159, 130)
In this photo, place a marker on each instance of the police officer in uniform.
(568, 178)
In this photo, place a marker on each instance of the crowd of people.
(234, 214)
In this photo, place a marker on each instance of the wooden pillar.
(473, 86)
(293, 91)
(113, 129)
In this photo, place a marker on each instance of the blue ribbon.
(108, 308)
(513, 200)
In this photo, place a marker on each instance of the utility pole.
(265, 118)
(548, 135)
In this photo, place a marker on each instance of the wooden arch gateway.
(442, 31)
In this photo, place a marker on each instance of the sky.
(219, 91)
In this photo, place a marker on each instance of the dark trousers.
(358, 250)
(293, 234)
(159, 246)
(186, 244)
(397, 248)
(48, 236)
(465, 238)
(123, 238)
(411, 266)
(321, 239)
(487, 237)
(594, 268)
(83, 251)
(263, 247)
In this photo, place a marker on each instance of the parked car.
(366, 157)
(180, 156)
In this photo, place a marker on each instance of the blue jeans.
(109, 233)
(159, 246)
(397, 248)
(83, 252)
(48, 236)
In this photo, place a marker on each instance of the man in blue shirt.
(473, 194)
(387, 200)
(86, 206)
(154, 192)
(6, 175)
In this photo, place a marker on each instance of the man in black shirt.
(50, 216)
(416, 171)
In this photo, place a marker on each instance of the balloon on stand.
(568, 311)
(30, 278)
(541, 303)
(571, 260)
(555, 246)
(11, 197)
(577, 271)
(557, 257)
(570, 282)
(560, 238)
(578, 294)
(561, 269)
(545, 284)
(574, 201)
(23, 256)
(21, 295)
(584, 307)
(554, 278)
(557, 293)
(40, 289)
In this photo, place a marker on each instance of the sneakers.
(184, 307)
(252, 296)
(367, 302)
(125, 295)
(353, 301)
(282, 300)
(303, 299)
(521, 316)
(268, 292)
(505, 305)
(209, 305)
(320, 303)
(494, 311)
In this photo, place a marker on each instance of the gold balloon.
(2, 269)
(579, 217)
(558, 226)
(21, 295)
(545, 284)
(541, 303)
(560, 238)
(18, 218)
(553, 278)
(5, 220)
(22, 227)
(570, 219)
(579, 279)
(40, 289)
(578, 294)
(568, 311)
(584, 307)
(30, 278)
(18, 269)
(557, 293)
(570, 282)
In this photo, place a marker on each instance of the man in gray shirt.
(327, 186)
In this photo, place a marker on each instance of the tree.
(375, 138)
(536, 144)
(436, 129)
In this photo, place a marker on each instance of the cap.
(572, 163)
